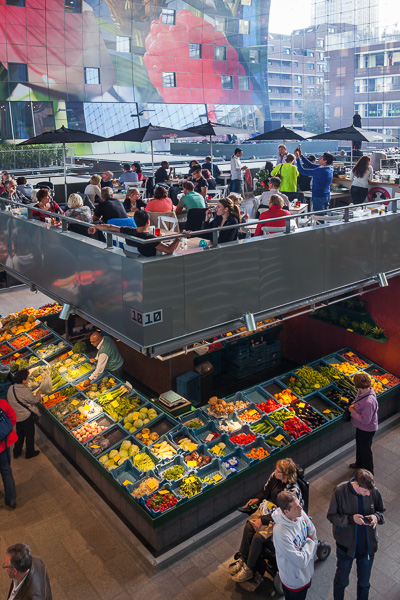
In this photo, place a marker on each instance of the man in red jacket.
(275, 211)
(5, 457)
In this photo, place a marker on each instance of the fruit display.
(163, 450)
(94, 390)
(87, 431)
(73, 420)
(280, 416)
(5, 349)
(187, 444)
(190, 486)
(161, 501)
(135, 420)
(307, 414)
(243, 438)
(388, 379)
(312, 377)
(51, 400)
(296, 428)
(143, 461)
(286, 396)
(146, 487)
(174, 473)
(277, 441)
(249, 416)
(299, 387)
(5, 336)
(196, 459)
(377, 386)
(19, 361)
(38, 333)
(147, 436)
(268, 406)
(194, 423)
(262, 428)
(21, 341)
(119, 404)
(116, 458)
(43, 311)
(67, 360)
(69, 405)
(345, 367)
(16, 323)
(258, 453)
(219, 449)
(44, 350)
(353, 358)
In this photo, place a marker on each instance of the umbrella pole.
(211, 156)
(351, 155)
(65, 175)
(152, 157)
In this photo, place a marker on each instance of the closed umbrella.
(63, 136)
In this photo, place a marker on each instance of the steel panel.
(350, 252)
(387, 243)
(221, 284)
(291, 267)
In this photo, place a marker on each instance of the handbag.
(5, 426)
(34, 414)
(346, 416)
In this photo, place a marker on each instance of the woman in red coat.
(5, 457)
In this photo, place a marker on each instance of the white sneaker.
(235, 567)
(244, 574)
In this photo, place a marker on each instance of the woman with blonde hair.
(93, 189)
(76, 210)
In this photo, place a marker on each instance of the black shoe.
(12, 505)
(35, 453)
(16, 455)
(354, 466)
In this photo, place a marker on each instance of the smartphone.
(366, 520)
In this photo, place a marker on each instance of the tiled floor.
(90, 554)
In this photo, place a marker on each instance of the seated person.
(24, 187)
(200, 184)
(192, 165)
(45, 202)
(142, 232)
(93, 190)
(107, 179)
(237, 200)
(160, 203)
(76, 210)
(227, 214)
(260, 524)
(190, 199)
(275, 210)
(162, 175)
(5, 176)
(133, 201)
(11, 192)
(211, 183)
(273, 188)
(128, 176)
(138, 170)
(108, 207)
(215, 170)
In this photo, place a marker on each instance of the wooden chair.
(157, 218)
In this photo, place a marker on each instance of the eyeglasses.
(8, 567)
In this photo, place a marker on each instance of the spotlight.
(66, 310)
(249, 321)
(383, 282)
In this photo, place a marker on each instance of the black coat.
(224, 236)
(37, 585)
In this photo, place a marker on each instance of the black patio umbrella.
(352, 134)
(63, 136)
(149, 133)
(283, 133)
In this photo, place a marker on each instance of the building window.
(22, 120)
(271, 48)
(310, 80)
(320, 67)
(227, 82)
(220, 52)
(298, 78)
(123, 43)
(310, 53)
(194, 50)
(16, 3)
(168, 16)
(73, 6)
(92, 76)
(298, 91)
(246, 2)
(310, 66)
(244, 27)
(220, 23)
(18, 72)
(296, 63)
(320, 55)
(244, 84)
(168, 79)
(320, 43)
(286, 50)
(254, 56)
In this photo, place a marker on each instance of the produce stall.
(169, 478)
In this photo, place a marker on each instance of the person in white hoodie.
(295, 541)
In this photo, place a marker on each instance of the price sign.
(152, 485)
(344, 399)
(209, 438)
(253, 412)
(162, 492)
(114, 404)
(217, 450)
(385, 381)
(87, 407)
(327, 411)
(191, 463)
(126, 482)
(301, 405)
(117, 458)
(279, 438)
(74, 402)
(217, 477)
(95, 446)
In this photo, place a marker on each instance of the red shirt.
(274, 211)
(163, 205)
(10, 412)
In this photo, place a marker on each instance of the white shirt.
(236, 167)
(17, 587)
(102, 360)
(364, 180)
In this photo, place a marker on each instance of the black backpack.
(5, 426)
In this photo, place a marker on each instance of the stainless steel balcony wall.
(161, 303)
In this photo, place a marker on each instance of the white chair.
(321, 219)
(271, 230)
(223, 190)
(169, 223)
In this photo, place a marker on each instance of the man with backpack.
(8, 437)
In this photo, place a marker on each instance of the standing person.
(5, 455)
(356, 508)
(237, 171)
(282, 154)
(28, 574)
(288, 174)
(322, 175)
(128, 176)
(107, 357)
(24, 403)
(361, 174)
(295, 541)
(364, 417)
(305, 181)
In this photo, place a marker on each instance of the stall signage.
(147, 318)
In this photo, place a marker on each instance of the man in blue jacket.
(322, 174)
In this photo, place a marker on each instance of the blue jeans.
(320, 202)
(343, 568)
(236, 186)
(7, 476)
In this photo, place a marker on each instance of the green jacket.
(288, 174)
(109, 347)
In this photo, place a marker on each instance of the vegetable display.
(87, 431)
(277, 441)
(196, 459)
(174, 473)
(312, 377)
(331, 413)
(134, 420)
(307, 414)
(186, 444)
(286, 396)
(66, 406)
(340, 398)
(73, 420)
(232, 464)
(268, 406)
(116, 458)
(194, 424)
(38, 333)
(20, 341)
(388, 379)
(52, 399)
(262, 428)
(143, 462)
(147, 486)
(190, 486)
(258, 453)
(95, 390)
(353, 358)
(163, 450)
(44, 350)
(300, 387)
(377, 386)
(243, 438)
(295, 427)
(249, 416)
(161, 501)
(147, 436)
(118, 403)
(280, 416)
(5, 349)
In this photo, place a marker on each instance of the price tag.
(162, 492)
(217, 450)
(74, 402)
(344, 399)
(109, 396)
(114, 404)
(279, 438)
(45, 399)
(135, 416)
(217, 477)
(385, 381)
(70, 353)
(327, 411)
(126, 482)
(350, 354)
(228, 334)
(111, 380)
(95, 446)
(301, 405)
(209, 437)
(317, 385)
(52, 397)
(336, 377)
(117, 458)
(253, 412)
(152, 484)
(191, 463)
(87, 407)
(351, 330)
(17, 355)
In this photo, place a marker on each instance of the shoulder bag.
(5, 426)
(35, 415)
(346, 416)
